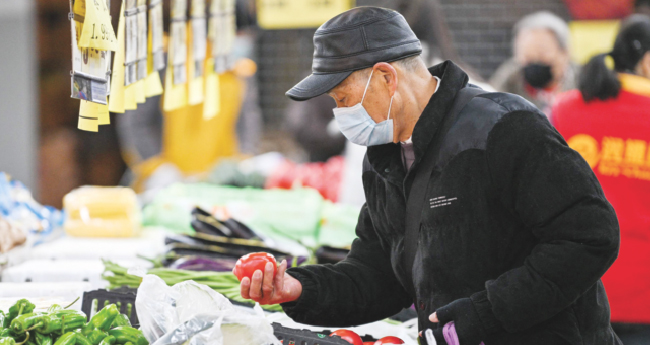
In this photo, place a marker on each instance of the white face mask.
(355, 123)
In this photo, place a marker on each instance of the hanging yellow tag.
(175, 94)
(212, 103)
(97, 31)
(153, 85)
(103, 116)
(116, 99)
(85, 108)
(129, 97)
(96, 111)
(88, 124)
(195, 91)
(87, 120)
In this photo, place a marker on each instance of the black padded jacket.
(515, 221)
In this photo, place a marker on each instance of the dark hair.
(640, 3)
(631, 44)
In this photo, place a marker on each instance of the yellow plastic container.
(94, 211)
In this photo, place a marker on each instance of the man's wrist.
(294, 288)
(305, 300)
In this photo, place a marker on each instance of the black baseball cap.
(354, 40)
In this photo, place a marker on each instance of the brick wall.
(284, 58)
(481, 30)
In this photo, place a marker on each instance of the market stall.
(106, 254)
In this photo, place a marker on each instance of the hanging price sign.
(97, 31)
(222, 31)
(141, 54)
(199, 36)
(90, 66)
(131, 50)
(178, 44)
(156, 28)
(292, 14)
(214, 21)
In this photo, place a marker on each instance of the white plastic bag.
(193, 314)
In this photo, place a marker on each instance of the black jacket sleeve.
(360, 289)
(556, 196)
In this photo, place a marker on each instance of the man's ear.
(388, 75)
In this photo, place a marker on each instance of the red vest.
(613, 136)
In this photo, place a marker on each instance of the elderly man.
(540, 68)
(477, 211)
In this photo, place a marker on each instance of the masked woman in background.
(608, 122)
(540, 68)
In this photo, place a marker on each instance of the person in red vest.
(608, 122)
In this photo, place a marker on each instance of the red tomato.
(348, 336)
(368, 343)
(249, 263)
(389, 340)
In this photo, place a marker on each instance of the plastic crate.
(151, 243)
(290, 336)
(56, 271)
(124, 298)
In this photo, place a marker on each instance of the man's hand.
(266, 290)
(467, 324)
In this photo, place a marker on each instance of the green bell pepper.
(61, 321)
(67, 339)
(121, 321)
(81, 339)
(43, 339)
(23, 323)
(110, 340)
(96, 336)
(21, 307)
(102, 320)
(124, 335)
(12, 341)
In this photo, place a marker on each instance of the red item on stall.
(389, 340)
(348, 336)
(249, 263)
(282, 177)
(324, 177)
(613, 136)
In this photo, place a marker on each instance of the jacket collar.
(635, 84)
(386, 159)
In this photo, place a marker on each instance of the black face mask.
(538, 75)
